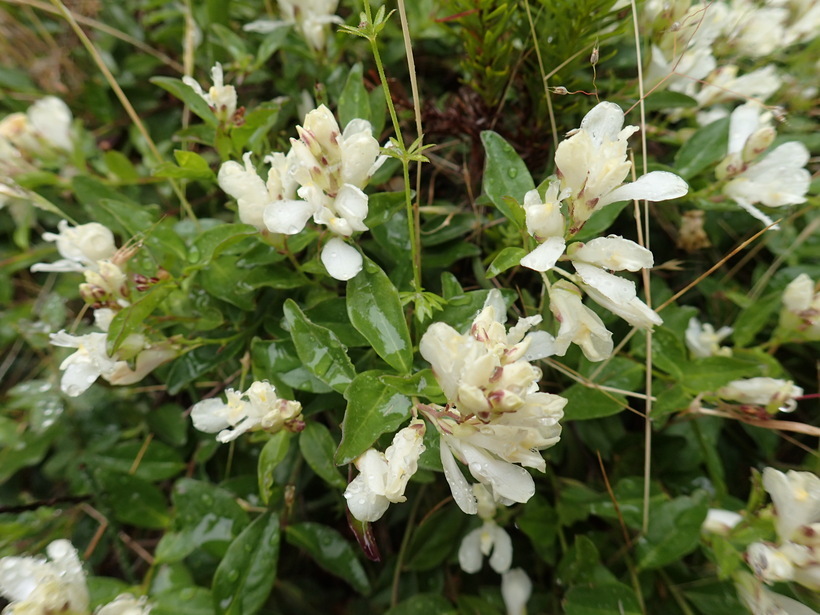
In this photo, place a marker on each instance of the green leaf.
(423, 604)
(382, 206)
(185, 601)
(245, 576)
(119, 165)
(505, 177)
(206, 517)
(213, 241)
(199, 361)
(706, 147)
(231, 41)
(317, 446)
(375, 310)
(319, 349)
(353, 101)
(132, 319)
(112, 208)
(674, 531)
(711, 373)
(170, 423)
(187, 95)
(373, 408)
(273, 453)
(753, 318)
(133, 500)
(191, 166)
(506, 259)
(432, 541)
(157, 461)
(607, 599)
(331, 551)
(422, 383)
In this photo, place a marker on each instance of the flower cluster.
(592, 165)
(326, 169)
(258, 408)
(796, 556)
(311, 18)
(42, 132)
(90, 249)
(496, 417)
(383, 477)
(694, 35)
(57, 585)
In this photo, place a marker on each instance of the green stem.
(413, 223)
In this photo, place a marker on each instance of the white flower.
(516, 589)
(311, 17)
(487, 369)
(796, 497)
(80, 246)
(703, 341)
(383, 477)
(478, 543)
(778, 179)
(331, 168)
(256, 408)
(592, 164)
(762, 601)
(774, 394)
(46, 126)
(801, 308)
(220, 97)
(719, 521)
(578, 324)
(496, 418)
(37, 586)
(125, 604)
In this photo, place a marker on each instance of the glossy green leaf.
(190, 165)
(373, 408)
(506, 178)
(132, 319)
(187, 95)
(754, 318)
(353, 101)
(134, 501)
(155, 462)
(607, 599)
(711, 373)
(319, 349)
(375, 310)
(271, 456)
(317, 446)
(206, 517)
(674, 530)
(246, 574)
(186, 601)
(112, 208)
(119, 165)
(432, 541)
(215, 240)
(420, 383)
(331, 551)
(706, 147)
(506, 259)
(199, 361)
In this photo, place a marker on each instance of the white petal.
(501, 559)
(351, 204)
(544, 257)
(542, 344)
(288, 217)
(210, 415)
(603, 122)
(742, 123)
(614, 253)
(469, 553)
(462, 493)
(364, 504)
(496, 300)
(516, 588)
(341, 260)
(655, 186)
(617, 289)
